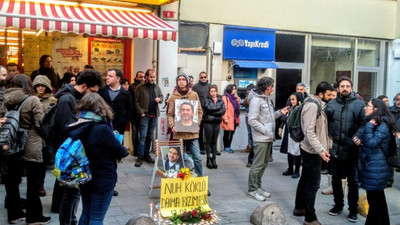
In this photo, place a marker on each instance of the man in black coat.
(139, 78)
(118, 99)
(202, 87)
(65, 200)
(346, 117)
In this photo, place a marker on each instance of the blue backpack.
(71, 164)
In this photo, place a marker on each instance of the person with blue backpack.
(103, 150)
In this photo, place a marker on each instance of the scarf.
(89, 115)
(234, 102)
(182, 92)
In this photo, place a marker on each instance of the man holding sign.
(192, 138)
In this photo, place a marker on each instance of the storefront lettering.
(70, 52)
(249, 44)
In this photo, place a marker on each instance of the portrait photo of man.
(186, 120)
(172, 158)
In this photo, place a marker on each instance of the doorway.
(286, 80)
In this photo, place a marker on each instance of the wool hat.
(43, 80)
(185, 76)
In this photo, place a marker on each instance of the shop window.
(193, 37)
(289, 48)
(368, 53)
(331, 57)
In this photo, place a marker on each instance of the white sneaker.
(263, 193)
(256, 196)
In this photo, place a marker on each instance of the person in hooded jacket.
(42, 87)
(103, 150)
(46, 68)
(18, 88)
(374, 168)
(213, 109)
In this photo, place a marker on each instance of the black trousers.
(211, 133)
(228, 137)
(308, 184)
(294, 160)
(34, 210)
(201, 136)
(378, 211)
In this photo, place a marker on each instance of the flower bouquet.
(194, 216)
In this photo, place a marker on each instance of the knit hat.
(185, 76)
(43, 80)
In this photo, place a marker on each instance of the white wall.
(142, 55)
(393, 80)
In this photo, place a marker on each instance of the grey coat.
(262, 117)
(30, 115)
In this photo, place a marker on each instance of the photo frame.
(186, 116)
(176, 151)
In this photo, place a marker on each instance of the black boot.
(214, 163)
(209, 165)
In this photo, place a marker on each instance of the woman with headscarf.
(230, 120)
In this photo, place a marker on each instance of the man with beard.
(314, 145)
(186, 123)
(346, 116)
(395, 110)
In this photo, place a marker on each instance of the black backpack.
(293, 122)
(11, 133)
(48, 129)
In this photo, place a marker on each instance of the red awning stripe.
(78, 19)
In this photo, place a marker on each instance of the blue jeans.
(194, 148)
(341, 169)
(94, 207)
(147, 126)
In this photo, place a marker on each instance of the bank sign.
(246, 43)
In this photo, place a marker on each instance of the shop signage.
(246, 43)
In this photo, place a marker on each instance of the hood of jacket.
(43, 80)
(14, 96)
(68, 89)
(351, 97)
(253, 94)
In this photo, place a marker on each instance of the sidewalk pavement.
(228, 187)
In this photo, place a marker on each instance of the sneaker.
(148, 159)
(22, 218)
(256, 196)
(247, 149)
(299, 212)
(229, 150)
(295, 175)
(335, 211)
(139, 163)
(43, 220)
(263, 193)
(315, 222)
(327, 191)
(287, 173)
(352, 217)
(218, 153)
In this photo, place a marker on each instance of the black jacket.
(213, 112)
(346, 118)
(131, 90)
(121, 106)
(67, 97)
(396, 115)
(202, 89)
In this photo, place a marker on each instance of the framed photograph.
(186, 116)
(172, 158)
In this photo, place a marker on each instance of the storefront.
(250, 52)
(77, 34)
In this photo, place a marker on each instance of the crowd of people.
(343, 133)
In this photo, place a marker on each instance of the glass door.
(286, 81)
(367, 84)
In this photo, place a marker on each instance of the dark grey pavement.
(228, 187)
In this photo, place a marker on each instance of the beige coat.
(315, 128)
(191, 95)
(30, 116)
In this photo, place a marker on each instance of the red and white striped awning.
(83, 20)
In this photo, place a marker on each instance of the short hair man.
(384, 98)
(118, 99)
(125, 83)
(184, 92)
(65, 200)
(186, 123)
(12, 68)
(139, 78)
(262, 118)
(172, 162)
(191, 81)
(148, 96)
(346, 116)
(315, 145)
(202, 88)
(301, 87)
